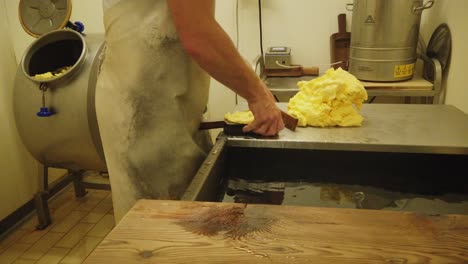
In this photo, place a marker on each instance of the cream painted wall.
(452, 12)
(303, 25)
(19, 171)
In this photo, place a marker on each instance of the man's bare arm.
(210, 46)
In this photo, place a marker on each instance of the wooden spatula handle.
(211, 125)
(342, 23)
(289, 121)
(310, 71)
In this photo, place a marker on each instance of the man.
(152, 91)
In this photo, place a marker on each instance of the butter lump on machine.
(330, 100)
(241, 117)
(53, 74)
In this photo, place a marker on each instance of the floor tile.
(11, 238)
(79, 253)
(90, 201)
(33, 236)
(54, 256)
(97, 213)
(39, 248)
(65, 209)
(30, 224)
(78, 226)
(103, 227)
(67, 194)
(13, 252)
(108, 199)
(74, 235)
(68, 222)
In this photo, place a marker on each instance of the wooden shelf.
(414, 87)
(417, 83)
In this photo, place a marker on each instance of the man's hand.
(268, 120)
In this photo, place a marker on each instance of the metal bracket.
(426, 5)
(439, 97)
(259, 61)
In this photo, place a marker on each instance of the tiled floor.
(78, 226)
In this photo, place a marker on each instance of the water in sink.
(341, 196)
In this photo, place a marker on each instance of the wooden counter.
(197, 232)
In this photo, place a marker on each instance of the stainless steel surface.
(70, 138)
(435, 129)
(205, 185)
(42, 16)
(384, 36)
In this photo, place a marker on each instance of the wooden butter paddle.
(340, 44)
(236, 129)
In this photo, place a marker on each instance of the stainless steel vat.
(417, 155)
(70, 137)
(329, 178)
(384, 38)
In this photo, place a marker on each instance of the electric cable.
(237, 24)
(260, 25)
(237, 37)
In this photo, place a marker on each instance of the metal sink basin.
(425, 183)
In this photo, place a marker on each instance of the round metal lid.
(39, 17)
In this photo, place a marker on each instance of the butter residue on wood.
(240, 117)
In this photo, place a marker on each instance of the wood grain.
(197, 232)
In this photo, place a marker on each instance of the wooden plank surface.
(417, 83)
(196, 232)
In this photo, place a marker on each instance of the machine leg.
(80, 190)
(42, 208)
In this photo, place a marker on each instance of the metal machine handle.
(350, 7)
(426, 5)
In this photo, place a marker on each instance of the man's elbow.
(193, 46)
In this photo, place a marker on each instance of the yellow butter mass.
(50, 75)
(243, 117)
(330, 100)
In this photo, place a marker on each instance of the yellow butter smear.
(53, 74)
(330, 100)
(243, 117)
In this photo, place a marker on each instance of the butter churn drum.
(54, 90)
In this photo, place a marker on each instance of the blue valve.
(44, 112)
(80, 26)
(77, 26)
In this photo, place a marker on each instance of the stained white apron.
(150, 99)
